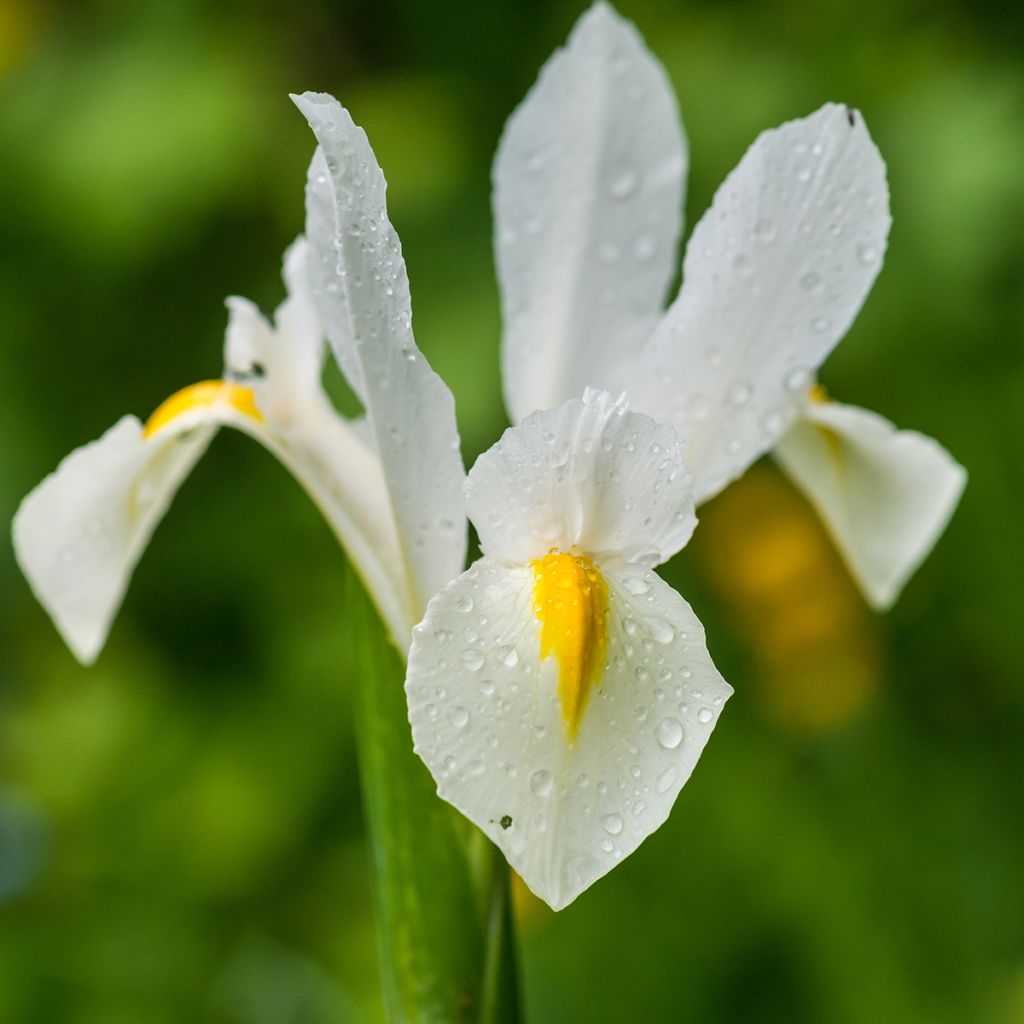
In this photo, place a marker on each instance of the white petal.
(588, 186)
(590, 474)
(362, 293)
(79, 535)
(774, 274)
(487, 721)
(885, 494)
(291, 352)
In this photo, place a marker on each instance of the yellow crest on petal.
(204, 395)
(570, 597)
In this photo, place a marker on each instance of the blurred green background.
(180, 830)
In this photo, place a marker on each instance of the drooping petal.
(489, 722)
(774, 274)
(590, 474)
(884, 494)
(79, 535)
(362, 293)
(588, 188)
(329, 456)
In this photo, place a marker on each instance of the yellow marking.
(817, 394)
(205, 395)
(570, 598)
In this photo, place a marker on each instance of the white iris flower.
(559, 691)
(588, 187)
(389, 485)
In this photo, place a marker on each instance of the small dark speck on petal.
(506, 821)
(851, 116)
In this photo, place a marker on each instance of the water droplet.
(764, 231)
(612, 824)
(803, 175)
(810, 281)
(629, 625)
(475, 768)
(644, 247)
(465, 603)
(634, 770)
(741, 393)
(705, 715)
(662, 630)
(742, 265)
(640, 714)
(665, 780)
(820, 324)
(472, 659)
(623, 184)
(797, 380)
(508, 656)
(442, 636)
(867, 254)
(541, 782)
(607, 845)
(487, 687)
(669, 733)
(459, 716)
(636, 585)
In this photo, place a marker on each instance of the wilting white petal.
(588, 187)
(488, 722)
(590, 474)
(362, 294)
(884, 494)
(80, 533)
(774, 273)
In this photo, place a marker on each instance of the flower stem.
(445, 957)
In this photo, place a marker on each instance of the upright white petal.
(292, 350)
(79, 535)
(591, 475)
(773, 276)
(487, 721)
(884, 494)
(362, 293)
(588, 190)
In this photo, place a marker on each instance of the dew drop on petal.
(459, 716)
(669, 733)
(541, 782)
(612, 824)
(623, 184)
(665, 780)
(636, 585)
(472, 659)
(705, 715)
(867, 254)
(797, 380)
(508, 656)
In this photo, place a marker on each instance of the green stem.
(499, 994)
(441, 960)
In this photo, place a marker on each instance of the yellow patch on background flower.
(204, 395)
(570, 598)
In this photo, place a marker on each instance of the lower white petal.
(884, 494)
(488, 722)
(79, 535)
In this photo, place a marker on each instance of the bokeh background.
(180, 830)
